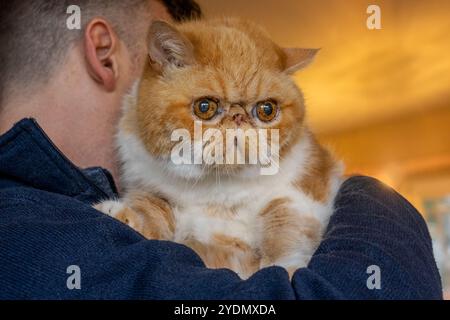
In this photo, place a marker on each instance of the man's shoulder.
(26, 194)
(43, 233)
(38, 212)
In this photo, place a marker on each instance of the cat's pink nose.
(238, 118)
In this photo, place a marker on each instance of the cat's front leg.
(289, 238)
(145, 213)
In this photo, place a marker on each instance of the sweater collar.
(29, 158)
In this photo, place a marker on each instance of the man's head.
(73, 81)
(35, 39)
(182, 10)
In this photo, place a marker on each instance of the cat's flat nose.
(238, 118)
(238, 114)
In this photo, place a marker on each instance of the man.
(53, 245)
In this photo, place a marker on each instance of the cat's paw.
(110, 207)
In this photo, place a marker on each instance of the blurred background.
(379, 98)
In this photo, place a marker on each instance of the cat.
(225, 74)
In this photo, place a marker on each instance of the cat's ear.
(298, 58)
(168, 47)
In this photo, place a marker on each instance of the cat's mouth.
(231, 152)
(208, 171)
(214, 171)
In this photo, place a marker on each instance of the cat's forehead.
(232, 45)
(236, 59)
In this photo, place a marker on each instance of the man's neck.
(82, 129)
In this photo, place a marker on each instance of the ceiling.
(361, 76)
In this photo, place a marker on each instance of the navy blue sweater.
(47, 224)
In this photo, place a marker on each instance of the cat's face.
(225, 75)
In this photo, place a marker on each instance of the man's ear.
(168, 47)
(298, 58)
(100, 44)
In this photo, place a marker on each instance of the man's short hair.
(182, 10)
(34, 37)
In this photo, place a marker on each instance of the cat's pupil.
(204, 106)
(268, 109)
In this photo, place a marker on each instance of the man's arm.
(372, 225)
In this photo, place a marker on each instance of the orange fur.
(316, 180)
(224, 252)
(284, 232)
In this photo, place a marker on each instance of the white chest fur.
(228, 206)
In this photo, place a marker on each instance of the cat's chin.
(207, 172)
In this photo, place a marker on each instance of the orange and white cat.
(227, 74)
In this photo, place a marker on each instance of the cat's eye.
(206, 108)
(266, 111)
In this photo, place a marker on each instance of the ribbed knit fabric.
(47, 224)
